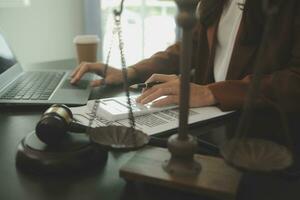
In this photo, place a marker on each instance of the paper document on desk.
(152, 123)
(116, 108)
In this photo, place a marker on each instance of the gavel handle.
(77, 128)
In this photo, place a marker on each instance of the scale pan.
(257, 155)
(119, 138)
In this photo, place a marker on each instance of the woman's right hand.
(113, 75)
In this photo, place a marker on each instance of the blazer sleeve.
(164, 62)
(280, 88)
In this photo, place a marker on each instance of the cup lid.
(86, 39)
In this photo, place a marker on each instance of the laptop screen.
(7, 59)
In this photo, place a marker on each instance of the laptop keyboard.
(33, 86)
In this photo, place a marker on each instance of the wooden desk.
(17, 122)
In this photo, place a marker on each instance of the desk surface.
(17, 122)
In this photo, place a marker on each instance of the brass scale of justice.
(182, 145)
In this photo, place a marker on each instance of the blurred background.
(43, 30)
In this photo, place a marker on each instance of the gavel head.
(54, 124)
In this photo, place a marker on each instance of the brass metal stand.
(183, 146)
(183, 170)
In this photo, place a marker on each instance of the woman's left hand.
(199, 95)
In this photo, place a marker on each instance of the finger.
(86, 67)
(161, 78)
(75, 71)
(172, 83)
(145, 89)
(168, 100)
(83, 68)
(167, 79)
(156, 94)
(145, 94)
(96, 83)
(149, 91)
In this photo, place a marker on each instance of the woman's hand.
(199, 95)
(113, 76)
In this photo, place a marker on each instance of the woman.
(226, 42)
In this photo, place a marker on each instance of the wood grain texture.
(216, 178)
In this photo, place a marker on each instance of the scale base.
(74, 154)
(181, 167)
(216, 178)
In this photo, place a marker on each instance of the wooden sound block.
(75, 154)
(216, 178)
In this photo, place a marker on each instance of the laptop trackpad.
(82, 84)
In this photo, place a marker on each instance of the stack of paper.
(152, 123)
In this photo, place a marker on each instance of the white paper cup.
(86, 47)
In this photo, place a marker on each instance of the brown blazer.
(280, 84)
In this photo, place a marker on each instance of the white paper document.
(116, 108)
(152, 123)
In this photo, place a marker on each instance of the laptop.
(20, 87)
